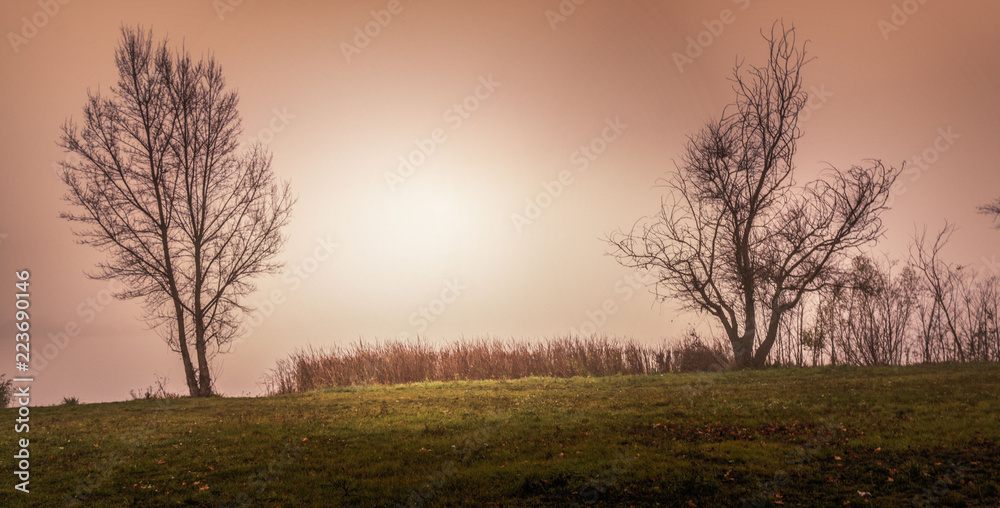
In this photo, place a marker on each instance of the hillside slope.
(829, 436)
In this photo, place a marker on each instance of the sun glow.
(420, 224)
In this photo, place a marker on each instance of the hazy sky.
(489, 102)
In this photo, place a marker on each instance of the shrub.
(693, 355)
(6, 390)
(70, 401)
(154, 392)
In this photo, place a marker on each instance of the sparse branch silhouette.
(959, 305)
(736, 236)
(992, 209)
(187, 218)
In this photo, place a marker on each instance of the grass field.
(924, 435)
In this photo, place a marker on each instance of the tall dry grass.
(484, 358)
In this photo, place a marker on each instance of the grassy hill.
(823, 436)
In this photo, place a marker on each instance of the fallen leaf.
(162, 461)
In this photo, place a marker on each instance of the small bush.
(6, 390)
(70, 401)
(693, 355)
(154, 392)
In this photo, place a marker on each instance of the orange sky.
(491, 102)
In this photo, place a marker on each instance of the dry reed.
(484, 358)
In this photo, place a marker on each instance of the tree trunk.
(204, 374)
(200, 345)
(743, 350)
(192, 382)
(760, 356)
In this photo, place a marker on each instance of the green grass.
(796, 436)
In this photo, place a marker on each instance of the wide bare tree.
(186, 216)
(736, 236)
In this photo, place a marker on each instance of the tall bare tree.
(736, 237)
(187, 218)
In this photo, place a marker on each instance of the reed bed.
(396, 362)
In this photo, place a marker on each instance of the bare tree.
(870, 314)
(737, 238)
(958, 307)
(187, 218)
(940, 311)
